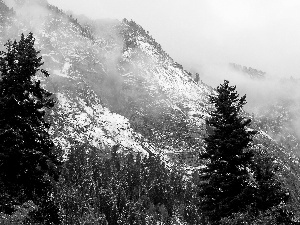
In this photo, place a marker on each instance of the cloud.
(259, 34)
(273, 98)
(10, 3)
(30, 15)
(206, 35)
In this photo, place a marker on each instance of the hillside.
(115, 85)
(107, 79)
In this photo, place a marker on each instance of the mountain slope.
(114, 84)
(95, 75)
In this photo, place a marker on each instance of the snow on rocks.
(97, 125)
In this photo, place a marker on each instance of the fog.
(260, 34)
(204, 36)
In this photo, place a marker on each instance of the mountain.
(107, 78)
(253, 73)
(115, 85)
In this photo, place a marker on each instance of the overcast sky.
(262, 34)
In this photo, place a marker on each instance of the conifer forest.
(99, 125)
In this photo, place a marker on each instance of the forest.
(237, 184)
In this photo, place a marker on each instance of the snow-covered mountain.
(114, 84)
(106, 76)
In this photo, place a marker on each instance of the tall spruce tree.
(27, 161)
(223, 188)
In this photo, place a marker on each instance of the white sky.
(263, 34)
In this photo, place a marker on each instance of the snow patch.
(60, 73)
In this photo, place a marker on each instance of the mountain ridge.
(116, 86)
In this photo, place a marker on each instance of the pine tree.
(270, 197)
(270, 191)
(223, 189)
(27, 160)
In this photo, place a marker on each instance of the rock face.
(114, 85)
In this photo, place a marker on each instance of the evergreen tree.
(238, 182)
(268, 188)
(27, 160)
(197, 78)
(269, 195)
(224, 184)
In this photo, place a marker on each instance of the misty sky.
(263, 34)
